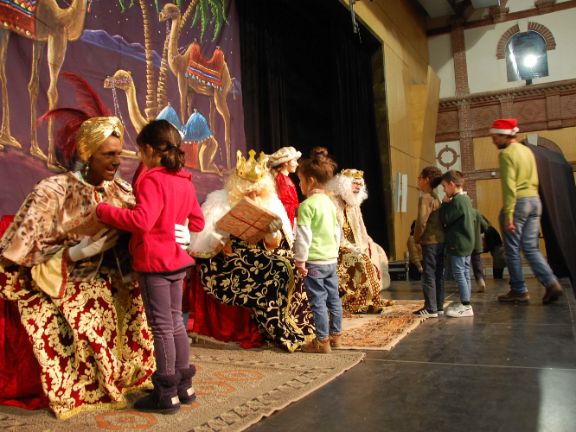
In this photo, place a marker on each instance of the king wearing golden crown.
(362, 263)
(259, 276)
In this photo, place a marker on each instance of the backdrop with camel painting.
(177, 60)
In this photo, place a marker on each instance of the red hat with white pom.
(504, 127)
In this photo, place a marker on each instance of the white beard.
(342, 186)
(355, 199)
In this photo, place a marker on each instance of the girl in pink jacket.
(165, 196)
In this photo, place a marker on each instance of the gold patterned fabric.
(266, 282)
(58, 212)
(358, 280)
(93, 343)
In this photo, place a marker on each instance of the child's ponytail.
(165, 140)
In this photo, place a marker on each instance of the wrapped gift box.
(247, 221)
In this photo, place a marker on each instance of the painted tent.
(140, 56)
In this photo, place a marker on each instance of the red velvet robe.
(19, 369)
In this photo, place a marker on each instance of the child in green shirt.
(457, 216)
(316, 252)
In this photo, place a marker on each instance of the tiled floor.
(509, 368)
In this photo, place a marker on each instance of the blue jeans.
(527, 215)
(322, 287)
(461, 271)
(433, 276)
(162, 297)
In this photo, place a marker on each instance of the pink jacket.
(162, 200)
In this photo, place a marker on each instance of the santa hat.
(504, 127)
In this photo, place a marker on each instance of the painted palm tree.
(203, 14)
(151, 108)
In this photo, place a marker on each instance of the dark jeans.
(162, 296)
(433, 276)
(476, 261)
(498, 261)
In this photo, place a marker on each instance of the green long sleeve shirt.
(458, 218)
(518, 175)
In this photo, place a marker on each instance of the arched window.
(526, 56)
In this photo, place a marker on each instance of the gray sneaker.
(458, 310)
(425, 314)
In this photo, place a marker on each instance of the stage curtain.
(307, 80)
(20, 384)
(558, 194)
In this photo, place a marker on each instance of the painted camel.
(210, 78)
(123, 80)
(44, 22)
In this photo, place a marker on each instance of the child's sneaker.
(335, 340)
(459, 310)
(425, 314)
(317, 346)
(440, 312)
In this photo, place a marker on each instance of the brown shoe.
(335, 340)
(481, 286)
(317, 346)
(553, 293)
(514, 297)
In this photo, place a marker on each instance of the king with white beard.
(362, 263)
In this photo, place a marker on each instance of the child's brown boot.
(317, 346)
(335, 340)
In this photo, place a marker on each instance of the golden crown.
(354, 173)
(251, 169)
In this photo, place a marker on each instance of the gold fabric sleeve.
(51, 276)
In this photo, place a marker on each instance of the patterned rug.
(236, 388)
(380, 332)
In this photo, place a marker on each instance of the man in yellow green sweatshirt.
(520, 216)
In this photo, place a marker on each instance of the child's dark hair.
(433, 174)
(319, 166)
(321, 154)
(454, 176)
(165, 139)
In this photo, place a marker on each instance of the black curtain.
(558, 194)
(307, 81)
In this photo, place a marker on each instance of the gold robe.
(85, 320)
(362, 263)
